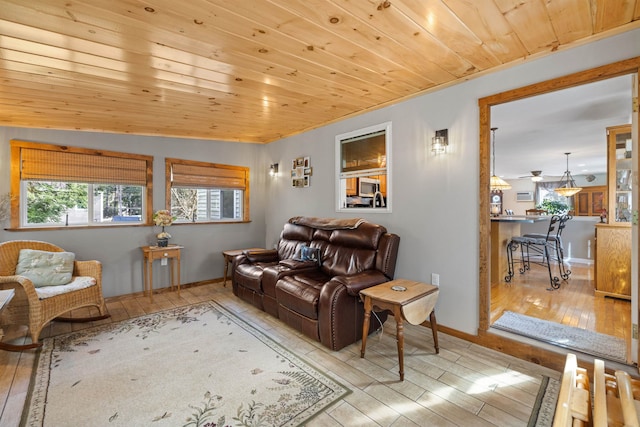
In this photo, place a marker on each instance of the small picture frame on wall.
(306, 162)
(307, 181)
(308, 171)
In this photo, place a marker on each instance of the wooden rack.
(616, 398)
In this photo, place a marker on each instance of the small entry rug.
(544, 407)
(199, 365)
(593, 343)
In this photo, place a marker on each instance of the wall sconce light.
(440, 142)
(273, 169)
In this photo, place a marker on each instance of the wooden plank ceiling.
(260, 70)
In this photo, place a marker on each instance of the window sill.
(82, 227)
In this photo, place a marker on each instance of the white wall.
(435, 199)
(118, 248)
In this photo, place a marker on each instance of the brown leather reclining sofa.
(319, 299)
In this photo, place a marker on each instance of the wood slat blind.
(211, 176)
(45, 164)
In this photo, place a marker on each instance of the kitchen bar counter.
(519, 218)
(503, 228)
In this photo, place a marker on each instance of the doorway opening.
(574, 303)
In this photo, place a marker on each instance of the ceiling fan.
(535, 176)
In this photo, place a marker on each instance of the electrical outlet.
(163, 261)
(435, 279)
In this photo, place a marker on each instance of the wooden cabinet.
(613, 260)
(591, 201)
(619, 161)
(352, 187)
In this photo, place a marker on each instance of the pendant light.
(569, 188)
(496, 183)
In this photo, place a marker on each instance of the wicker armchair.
(26, 308)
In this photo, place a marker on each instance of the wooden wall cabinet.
(591, 201)
(352, 186)
(613, 260)
(619, 163)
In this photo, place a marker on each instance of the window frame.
(242, 171)
(385, 127)
(16, 184)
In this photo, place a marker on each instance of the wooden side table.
(230, 255)
(151, 253)
(414, 304)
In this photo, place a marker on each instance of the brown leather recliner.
(321, 301)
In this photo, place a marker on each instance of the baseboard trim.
(116, 298)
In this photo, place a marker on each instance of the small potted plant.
(163, 218)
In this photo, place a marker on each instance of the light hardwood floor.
(465, 385)
(574, 304)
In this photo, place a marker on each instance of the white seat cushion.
(77, 282)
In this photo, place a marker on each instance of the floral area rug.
(193, 366)
(588, 342)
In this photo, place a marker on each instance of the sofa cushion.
(77, 283)
(366, 236)
(342, 261)
(45, 268)
(291, 238)
(250, 275)
(300, 293)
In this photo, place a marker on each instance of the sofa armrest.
(357, 282)
(295, 264)
(266, 255)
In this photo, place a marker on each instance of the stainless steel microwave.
(367, 187)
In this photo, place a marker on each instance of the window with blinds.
(70, 186)
(207, 192)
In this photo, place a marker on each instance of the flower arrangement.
(163, 218)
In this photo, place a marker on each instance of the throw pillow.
(45, 268)
(308, 253)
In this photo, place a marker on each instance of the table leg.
(397, 314)
(365, 324)
(150, 265)
(226, 266)
(434, 330)
(144, 276)
(172, 273)
(178, 278)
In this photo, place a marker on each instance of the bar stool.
(540, 246)
(556, 242)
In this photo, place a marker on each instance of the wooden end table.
(230, 255)
(151, 253)
(414, 304)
